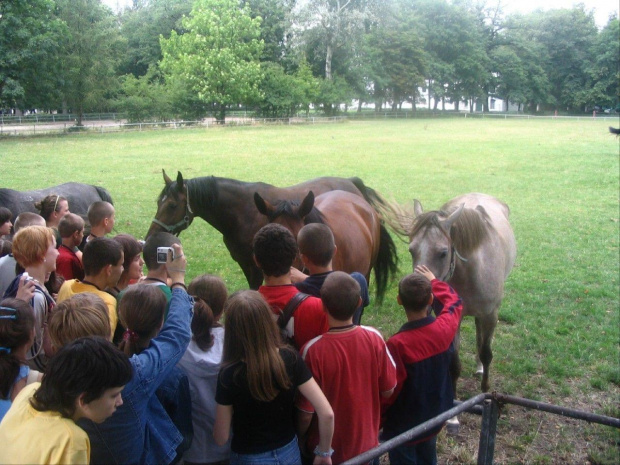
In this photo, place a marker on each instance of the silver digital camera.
(162, 254)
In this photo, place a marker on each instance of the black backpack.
(287, 313)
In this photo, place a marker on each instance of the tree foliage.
(89, 55)
(217, 58)
(29, 44)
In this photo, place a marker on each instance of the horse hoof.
(452, 426)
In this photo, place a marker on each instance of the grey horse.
(469, 244)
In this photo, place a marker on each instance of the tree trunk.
(328, 62)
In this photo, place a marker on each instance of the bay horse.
(228, 206)
(80, 197)
(469, 244)
(362, 241)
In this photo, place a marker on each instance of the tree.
(398, 57)
(217, 59)
(29, 43)
(567, 37)
(604, 72)
(89, 55)
(337, 22)
(144, 98)
(141, 27)
(274, 28)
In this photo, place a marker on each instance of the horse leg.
(452, 425)
(485, 328)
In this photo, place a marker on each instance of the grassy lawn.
(558, 335)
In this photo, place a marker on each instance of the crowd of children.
(283, 375)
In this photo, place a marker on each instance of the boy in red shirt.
(423, 351)
(354, 369)
(274, 249)
(69, 263)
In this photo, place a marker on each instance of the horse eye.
(172, 205)
(443, 254)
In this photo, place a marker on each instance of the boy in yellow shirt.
(83, 380)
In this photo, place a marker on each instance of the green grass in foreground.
(559, 324)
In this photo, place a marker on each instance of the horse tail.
(386, 264)
(389, 212)
(104, 194)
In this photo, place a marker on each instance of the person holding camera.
(141, 431)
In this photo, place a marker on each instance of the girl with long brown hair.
(257, 386)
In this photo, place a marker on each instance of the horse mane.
(466, 233)
(203, 192)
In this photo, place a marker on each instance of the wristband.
(178, 284)
(318, 452)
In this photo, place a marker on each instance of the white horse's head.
(430, 241)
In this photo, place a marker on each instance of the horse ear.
(179, 181)
(417, 207)
(306, 205)
(448, 222)
(167, 179)
(262, 205)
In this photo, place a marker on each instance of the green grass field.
(559, 330)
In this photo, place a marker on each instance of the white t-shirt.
(202, 369)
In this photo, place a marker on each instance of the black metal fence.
(491, 404)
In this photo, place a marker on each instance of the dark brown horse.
(362, 241)
(228, 206)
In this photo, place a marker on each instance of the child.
(101, 217)
(81, 315)
(142, 314)
(274, 249)
(353, 368)
(83, 380)
(5, 221)
(141, 431)
(256, 389)
(103, 266)
(34, 248)
(132, 263)
(7, 263)
(201, 362)
(317, 249)
(69, 263)
(422, 350)
(16, 330)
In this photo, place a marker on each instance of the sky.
(602, 8)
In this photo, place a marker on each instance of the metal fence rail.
(491, 403)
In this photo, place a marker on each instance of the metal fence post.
(486, 447)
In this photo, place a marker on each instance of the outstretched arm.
(311, 391)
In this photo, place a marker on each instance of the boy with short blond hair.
(81, 315)
(101, 216)
(354, 369)
(68, 263)
(423, 352)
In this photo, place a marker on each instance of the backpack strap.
(289, 309)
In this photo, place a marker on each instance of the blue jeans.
(423, 453)
(286, 455)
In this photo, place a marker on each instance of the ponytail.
(202, 322)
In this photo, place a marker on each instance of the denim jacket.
(140, 431)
